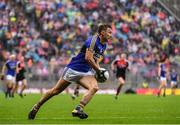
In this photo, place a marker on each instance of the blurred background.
(49, 32)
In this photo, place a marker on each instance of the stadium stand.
(49, 32)
(172, 6)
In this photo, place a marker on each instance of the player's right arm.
(3, 71)
(89, 58)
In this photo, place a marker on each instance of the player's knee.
(25, 85)
(95, 88)
(164, 84)
(122, 83)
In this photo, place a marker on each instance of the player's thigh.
(121, 80)
(14, 85)
(9, 83)
(88, 82)
(61, 85)
(163, 82)
(172, 85)
(24, 82)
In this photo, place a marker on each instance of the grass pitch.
(103, 109)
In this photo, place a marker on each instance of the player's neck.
(103, 41)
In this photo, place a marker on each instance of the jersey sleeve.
(90, 42)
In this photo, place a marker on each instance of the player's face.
(22, 59)
(123, 56)
(12, 57)
(108, 34)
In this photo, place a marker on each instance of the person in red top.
(119, 66)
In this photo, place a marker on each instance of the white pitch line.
(95, 124)
(121, 117)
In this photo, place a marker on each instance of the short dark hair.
(102, 27)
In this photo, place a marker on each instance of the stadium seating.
(48, 33)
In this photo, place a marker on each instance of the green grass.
(103, 109)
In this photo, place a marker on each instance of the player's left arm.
(113, 64)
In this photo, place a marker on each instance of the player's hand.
(100, 75)
(2, 77)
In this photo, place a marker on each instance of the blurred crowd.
(48, 32)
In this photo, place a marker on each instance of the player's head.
(105, 31)
(12, 57)
(123, 56)
(21, 59)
